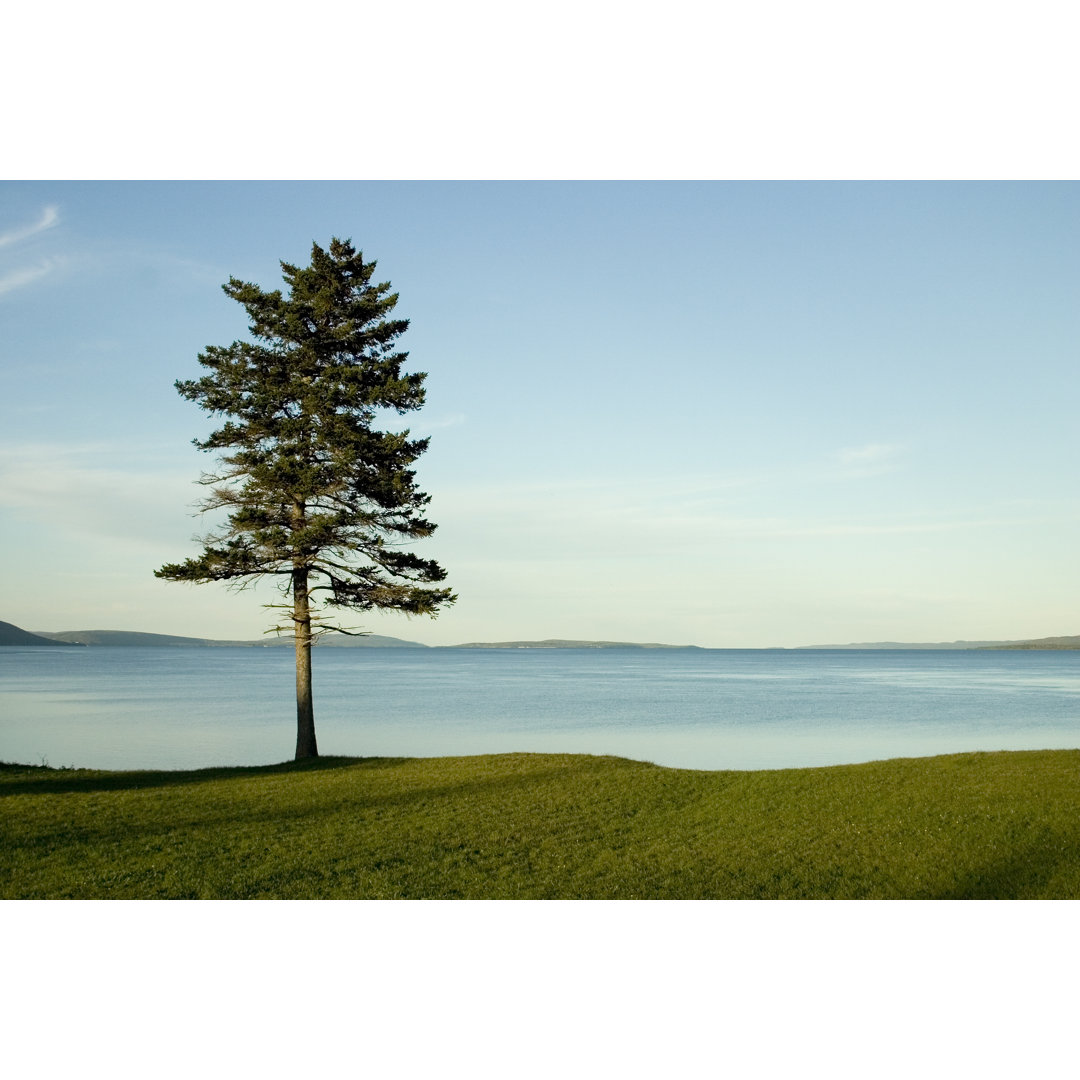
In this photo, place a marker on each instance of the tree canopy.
(316, 497)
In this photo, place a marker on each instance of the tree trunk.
(306, 746)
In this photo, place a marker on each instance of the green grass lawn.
(962, 826)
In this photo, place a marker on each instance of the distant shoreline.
(13, 635)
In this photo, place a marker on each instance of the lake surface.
(130, 708)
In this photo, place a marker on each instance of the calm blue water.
(121, 708)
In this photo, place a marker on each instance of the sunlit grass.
(547, 826)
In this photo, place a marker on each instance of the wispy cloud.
(871, 454)
(691, 521)
(91, 489)
(50, 216)
(869, 460)
(15, 279)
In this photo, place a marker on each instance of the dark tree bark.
(306, 746)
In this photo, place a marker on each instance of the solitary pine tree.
(316, 499)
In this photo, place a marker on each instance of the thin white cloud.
(873, 459)
(631, 520)
(871, 454)
(12, 278)
(81, 491)
(176, 267)
(15, 279)
(50, 215)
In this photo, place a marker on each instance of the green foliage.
(317, 499)
(308, 484)
(962, 826)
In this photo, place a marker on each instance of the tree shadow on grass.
(1024, 874)
(42, 780)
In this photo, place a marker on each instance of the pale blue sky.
(729, 414)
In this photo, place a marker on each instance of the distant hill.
(14, 635)
(1039, 643)
(562, 643)
(135, 639)
(128, 638)
(343, 641)
(916, 645)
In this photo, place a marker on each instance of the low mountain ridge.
(564, 643)
(1067, 642)
(1021, 643)
(136, 639)
(10, 634)
(15, 635)
(895, 645)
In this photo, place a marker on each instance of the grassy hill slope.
(548, 826)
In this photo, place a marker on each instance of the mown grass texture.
(983, 825)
